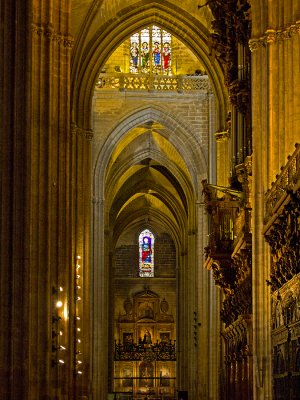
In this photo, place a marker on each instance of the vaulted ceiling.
(145, 174)
(147, 178)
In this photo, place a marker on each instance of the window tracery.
(151, 51)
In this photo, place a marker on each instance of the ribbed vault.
(170, 141)
(146, 175)
(148, 162)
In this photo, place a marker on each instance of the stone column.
(100, 298)
(275, 47)
(14, 198)
(260, 267)
(81, 207)
(35, 231)
(183, 321)
(212, 152)
(207, 321)
(186, 362)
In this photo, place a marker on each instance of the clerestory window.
(151, 51)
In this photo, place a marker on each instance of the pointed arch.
(109, 36)
(182, 140)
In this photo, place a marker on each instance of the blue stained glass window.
(146, 254)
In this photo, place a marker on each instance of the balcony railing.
(159, 351)
(287, 180)
(132, 82)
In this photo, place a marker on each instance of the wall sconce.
(195, 326)
(77, 321)
(57, 332)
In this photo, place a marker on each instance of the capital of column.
(49, 32)
(85, 133)
(97, 201)
(274, 35)
(223, 135)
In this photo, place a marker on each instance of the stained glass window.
(146, 254)
(150, 51)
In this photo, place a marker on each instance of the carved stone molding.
(286, 304)
(97, 202)
(283, 236)
(228, 253)
(237, 303)
(48, 31)
(124, 81)
(85, 133)
(243, 264)
(238, 359)
(224, 274)
(286, 338)
(220, 136)
(238, 347)
(274, 35)
(240, 95)
(286, 182)
(244, 176)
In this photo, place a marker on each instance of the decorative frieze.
(48, 31)
(274, 35)
(181, 83)
(159, 351)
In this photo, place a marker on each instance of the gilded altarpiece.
(282, 233)
(145, 348)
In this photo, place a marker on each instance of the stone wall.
(188, 109)
(126, 258)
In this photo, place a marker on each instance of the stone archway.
(96, 51)
(190, 235)
(99, 47)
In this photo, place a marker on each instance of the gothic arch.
(182, 231)
(154, 216)
(183, 141)
(188, 29)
